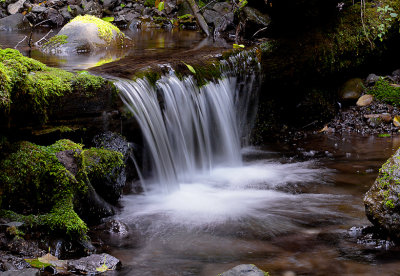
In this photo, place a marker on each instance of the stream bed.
(288, 208)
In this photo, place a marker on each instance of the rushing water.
(287, 209)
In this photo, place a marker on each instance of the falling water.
(188, 129)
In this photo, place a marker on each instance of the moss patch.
(33, 87)
(384, 91)
(105, 29)
(39, 188)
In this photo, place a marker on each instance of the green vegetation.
(57, 40)
(35, 183)
(384, 91)
(150, 3)
(34, 87)
(106, 30)
(384, 135)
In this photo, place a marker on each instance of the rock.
(109, 4)
(382, 205)
(385, 117)
(75, 10)
(13, 22)
(85, 34)
(222, 7)
(54, 17)
(66, 14)
(351, 89)
(92, 8)
(396, 75)
(88, 265)
(23, 272)
(371, 79)
(55, 3)
(210, 16)
(255, 21)
(10, 262)
(16, 7)
(38, 9)
(365, 100)
(244, 270)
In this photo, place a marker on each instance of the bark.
(199, 17)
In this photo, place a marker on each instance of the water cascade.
(188, 129)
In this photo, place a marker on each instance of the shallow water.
(288, 208)
(149, 42)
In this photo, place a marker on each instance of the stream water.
(211, 204)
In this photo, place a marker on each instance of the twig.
(20, 42)
(32, 28)
(260, 30)
(207, 5)
(37, 42)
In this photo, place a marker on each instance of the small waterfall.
(187, 129)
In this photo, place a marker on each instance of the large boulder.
(382, 204)
(85, 34)
(13, 22)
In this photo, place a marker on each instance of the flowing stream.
(212, 202)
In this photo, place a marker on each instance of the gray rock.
(66, 14)
(371, 79)
(16, 7)
(38, 9)
(54, 17)
(382, 205)
(109, 4)
(89, 264)
(351, 89)
(222, 7)
(13, 22)
(210, 16)
(256, 17)
(22, 272)
(396, 75)
(82, 36)
(75, 10)
(55, 3)
(244, 270)
(92, 8)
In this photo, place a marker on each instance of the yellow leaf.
(191, 69)
(102, 268)
(396, 121)
(238, 46)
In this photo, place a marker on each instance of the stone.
(222, 7)
(75, 10)
(22, 272)
(88, 265)
(93, 8)
(13, 22)
(382, 202)
(85, 34)
(54, 17)
(396, 75)
(109, 4)
(53, 3)
(351, 89)
(210, 16)
(66, 14)
(244, 270)
(16, 7)
(38, 9)
(365, 100)
(371, 79)
(385, 117)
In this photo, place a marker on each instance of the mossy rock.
(382, 203)
(41, 187)
(85, 34)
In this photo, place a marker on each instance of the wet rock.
(365, 100)
(371, 79)
(38, 9)
(66, 14)
(385, 117)
(222, 7)
(244, 270)
(351, 89)
(92, 8)
(75, 11)
(55, 3)
(396, 75)
(10, 262)
(27, 248)
(210, 16)
(89, 264)
(255, 21)
(16, 7)
(114, 228)
(54, 17)
(382, 204)
(109, 4)
(13, 22)
(86, 34)
(23, 272)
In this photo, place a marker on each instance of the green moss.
(149, 3)
(105, 29)
(33, 182)
(33, 86)
(36, 263)
(382, 90)
(56, 41)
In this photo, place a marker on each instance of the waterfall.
(187, 129)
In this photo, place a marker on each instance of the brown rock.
(365, 100)
(386, 117)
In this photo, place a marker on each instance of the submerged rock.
(85, 34)
(93, 263)
(245, 270)
(382, 204)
